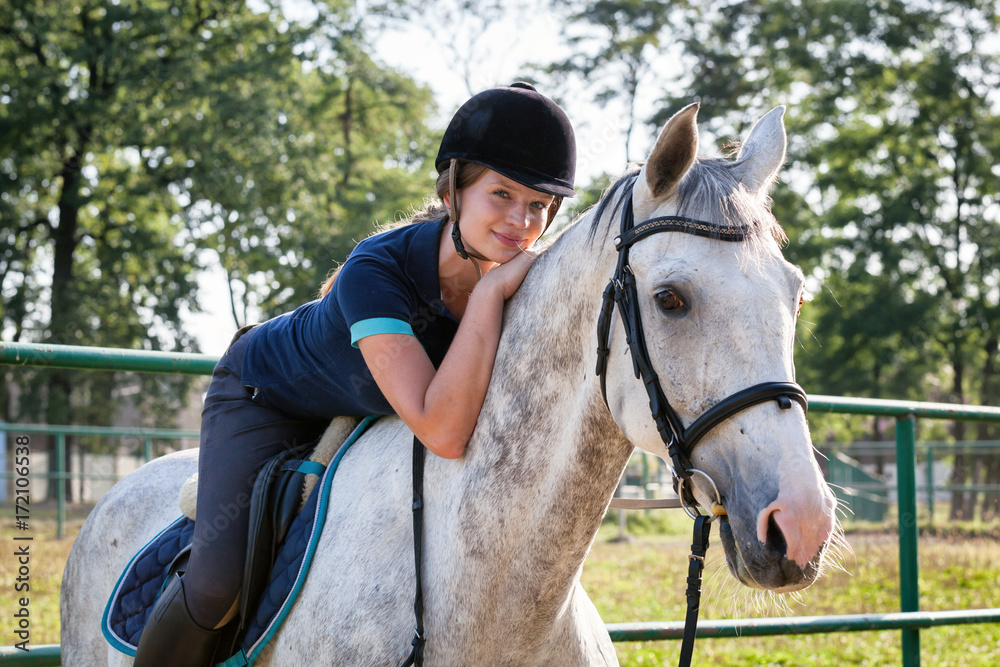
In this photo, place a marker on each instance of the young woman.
(408, 325)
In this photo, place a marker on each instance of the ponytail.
(328, 283)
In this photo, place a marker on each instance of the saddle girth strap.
(696, 563)
(416, 657)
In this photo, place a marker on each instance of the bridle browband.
(621, 291)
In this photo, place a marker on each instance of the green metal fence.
(928, 451)
(146, 435)
(906, 413)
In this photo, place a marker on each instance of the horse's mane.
(708, 192)
(610, 199)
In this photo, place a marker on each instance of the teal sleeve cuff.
(379, 325)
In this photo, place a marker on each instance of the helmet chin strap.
(465, 252)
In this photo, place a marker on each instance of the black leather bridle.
(678, 439)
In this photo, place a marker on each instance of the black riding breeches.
(237, 436)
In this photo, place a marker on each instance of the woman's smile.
(510, 241)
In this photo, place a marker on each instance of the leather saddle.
(274, 504)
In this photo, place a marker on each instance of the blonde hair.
(466, 174)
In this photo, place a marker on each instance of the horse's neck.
(544, 408)
(546, 454)
(544, 404)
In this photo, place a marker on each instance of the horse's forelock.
(612, 199)
(708, 192)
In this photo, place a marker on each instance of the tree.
(614, 46)
(135, 136)
(891, 197)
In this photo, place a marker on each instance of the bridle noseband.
(621, 290)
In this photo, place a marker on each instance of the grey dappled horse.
(507, 526)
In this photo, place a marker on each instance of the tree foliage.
(895, 140)
(891, 194)
(140, 141)
(614, 45)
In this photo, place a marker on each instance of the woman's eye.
(501, 193)
(669, 300)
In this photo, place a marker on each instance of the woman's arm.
(441, 406)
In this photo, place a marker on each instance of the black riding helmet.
(515, 131)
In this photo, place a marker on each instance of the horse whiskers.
(738, 600)
(835, 556)
(843, 508)
(727, 593)
(716, 578)
(721, 584)
(809, 330)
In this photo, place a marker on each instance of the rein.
(416, 656)
(678, 439)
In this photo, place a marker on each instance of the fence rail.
(906, 413)
(106, 359)
(61, 473)
(762, 627)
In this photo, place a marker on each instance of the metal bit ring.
(717, 509)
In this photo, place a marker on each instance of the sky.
(496, 56)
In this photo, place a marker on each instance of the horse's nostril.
(775, 538)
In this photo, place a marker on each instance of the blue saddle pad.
(145, 576)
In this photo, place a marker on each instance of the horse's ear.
(675, 151)
(763, 154)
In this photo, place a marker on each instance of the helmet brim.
(533, 181)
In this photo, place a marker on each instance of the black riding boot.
(171, 637)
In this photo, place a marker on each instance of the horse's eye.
(669, 300)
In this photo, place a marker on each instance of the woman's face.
(499, 217)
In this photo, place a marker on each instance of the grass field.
(643, 580)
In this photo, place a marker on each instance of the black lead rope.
(417, 654)
(696, 563)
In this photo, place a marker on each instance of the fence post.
(906, 470)
(147, 449)
(930, 482)
(61, 478)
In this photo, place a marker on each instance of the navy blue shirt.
(306, 363)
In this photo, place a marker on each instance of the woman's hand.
(509, 276)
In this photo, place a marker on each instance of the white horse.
(507, 526)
